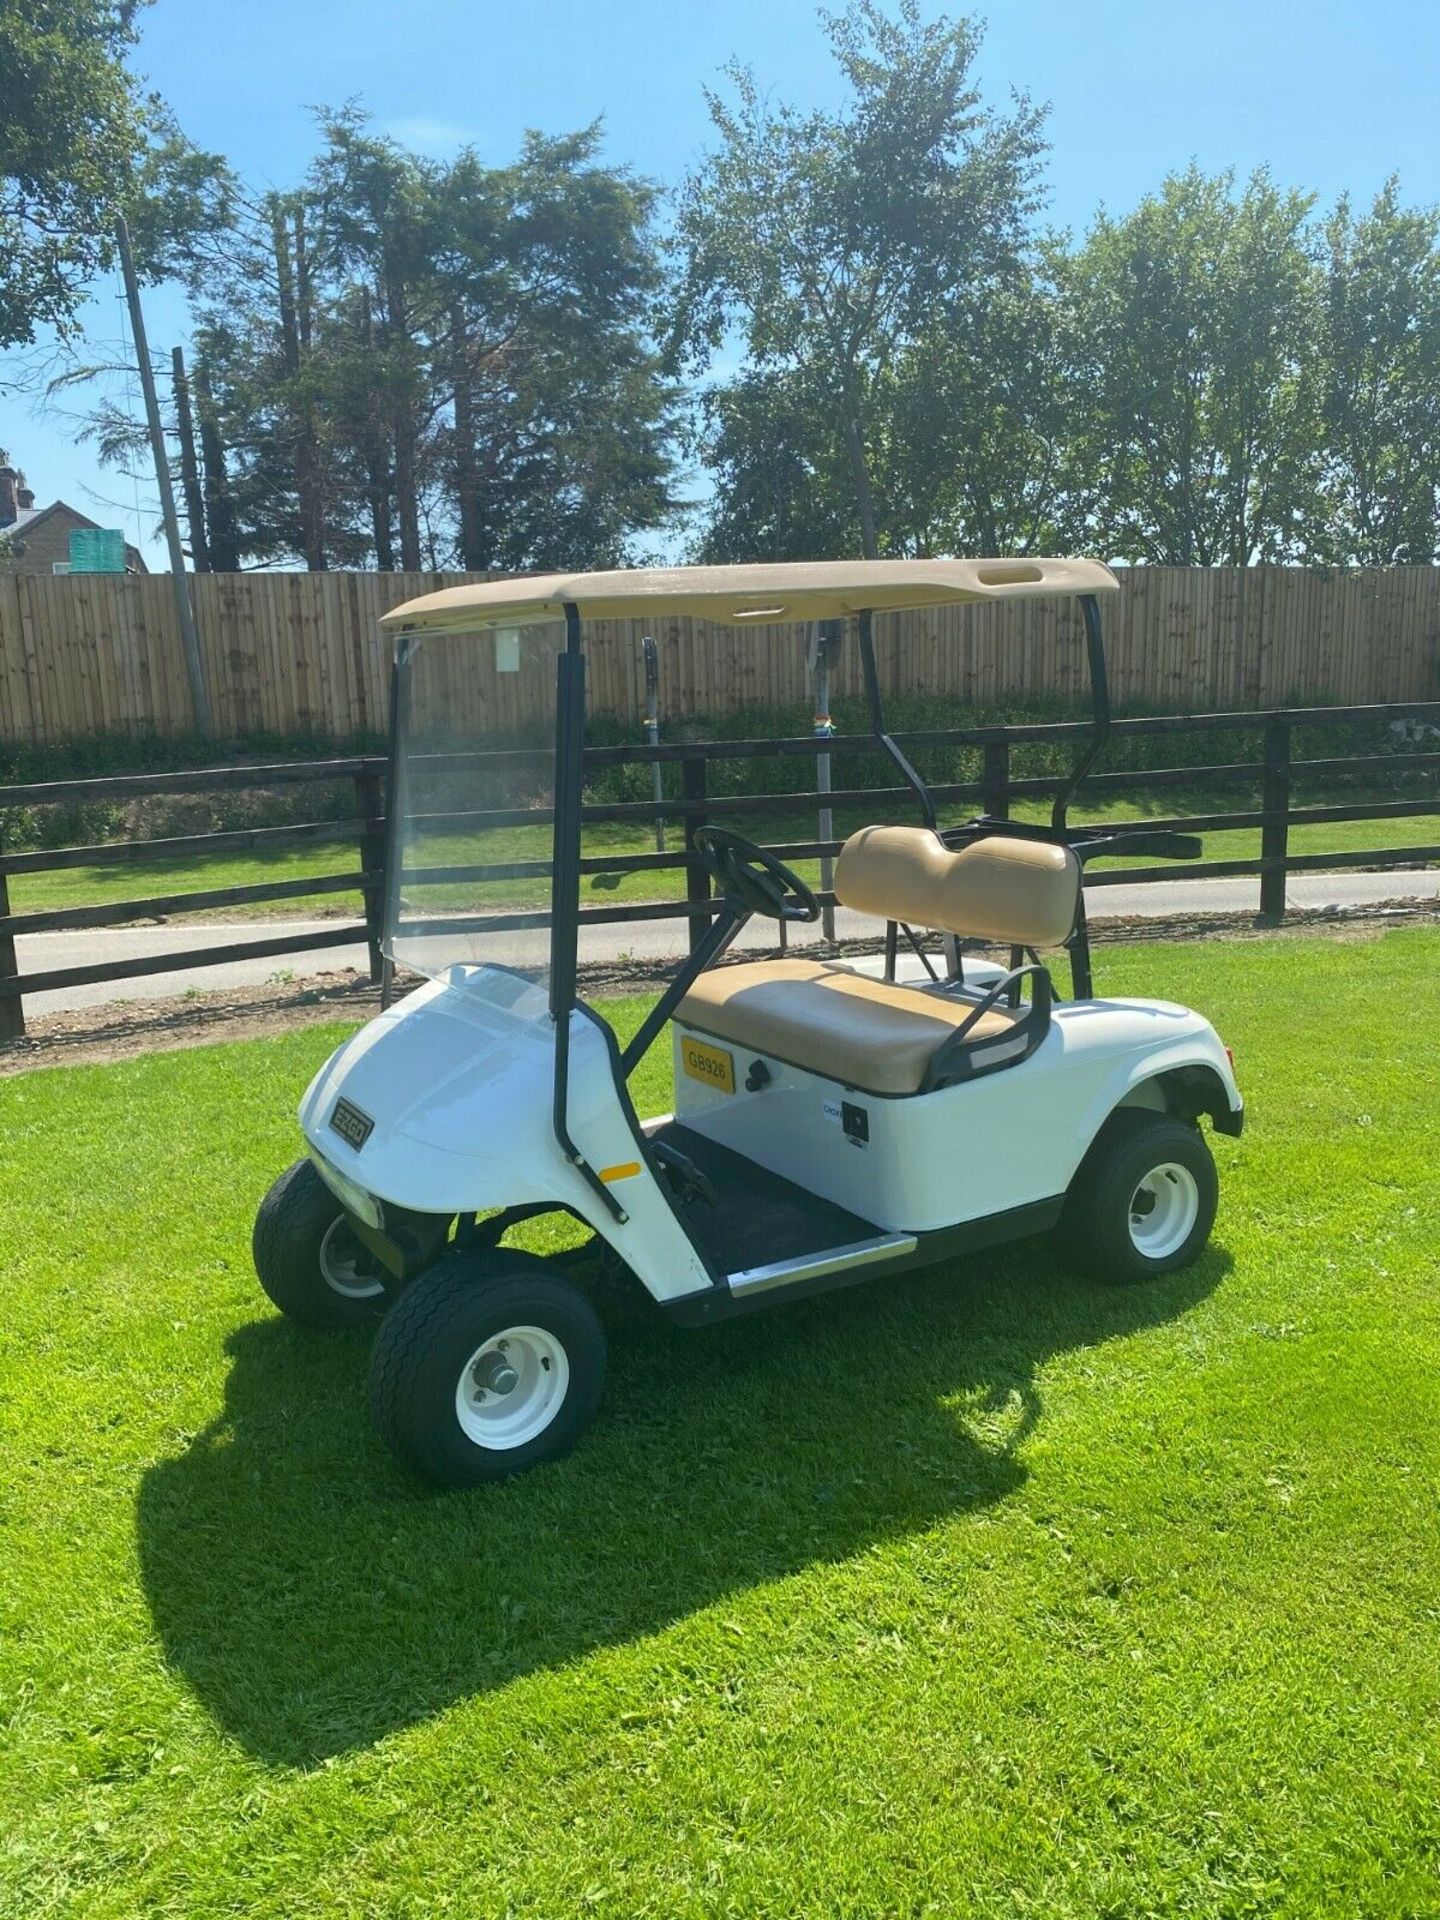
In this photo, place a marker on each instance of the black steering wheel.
(751, 877)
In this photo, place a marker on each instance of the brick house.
(37, 539)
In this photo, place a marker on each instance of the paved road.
(655, 939)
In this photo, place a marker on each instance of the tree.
(190, 483)
(783, 489)
(834, 241)
(560, 428)
(218, 512)
(377, 208)
(980, 421)
(426, 364)
(80, 143)
(1195, 329)
(1381, 398)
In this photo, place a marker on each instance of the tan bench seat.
(865, 1033)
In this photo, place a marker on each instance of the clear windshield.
(474, 785)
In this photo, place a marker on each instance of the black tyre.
(308, 1258)
(1143, 1201)
(486, 1365)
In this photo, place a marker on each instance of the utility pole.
(185, 611)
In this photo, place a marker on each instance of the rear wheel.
(308, 1257)
(1143, 1201)
(486, 1365)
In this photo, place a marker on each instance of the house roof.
(29, 518)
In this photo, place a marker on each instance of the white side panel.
(459, 1091)
(934, 1160)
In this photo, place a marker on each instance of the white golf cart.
(831, 1124)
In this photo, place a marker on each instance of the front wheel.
(1143, 1201)
(308, 1258)
(486, 1365)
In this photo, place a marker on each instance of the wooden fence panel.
(295, 652)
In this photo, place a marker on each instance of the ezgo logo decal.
(353, 1126)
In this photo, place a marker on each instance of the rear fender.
(1187, 1092)
(1188, 1077)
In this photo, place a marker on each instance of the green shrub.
(165, 816)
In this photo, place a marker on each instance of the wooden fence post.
(694, 792)
(1275, 828)
(995, 780)
(12, 1010)
(370, 806)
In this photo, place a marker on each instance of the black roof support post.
(395, 803)
(877, 722)
(565, 889)
(1082, 978)
(565, 868)
(1100, 709)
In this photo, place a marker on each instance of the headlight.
(353, 1198)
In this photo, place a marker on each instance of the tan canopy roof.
(810, 590)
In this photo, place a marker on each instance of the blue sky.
(1331, 95)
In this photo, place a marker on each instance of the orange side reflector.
(626, 1170)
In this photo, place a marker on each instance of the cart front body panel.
(442, 1106)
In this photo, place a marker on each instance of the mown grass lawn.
(986, 1593)
(95, 886)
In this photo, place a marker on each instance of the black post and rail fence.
(366, 832)
(1274, 771)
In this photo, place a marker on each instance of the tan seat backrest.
(1024, 892)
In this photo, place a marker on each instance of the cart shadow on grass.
(317, 1600)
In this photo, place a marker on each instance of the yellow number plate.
(713, 1066)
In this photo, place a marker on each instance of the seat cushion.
(1002, 887)
(865, 1033)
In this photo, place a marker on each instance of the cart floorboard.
(760, 1217)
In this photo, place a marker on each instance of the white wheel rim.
(1163, 1210)
(511, 1388)
(345, 1266)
